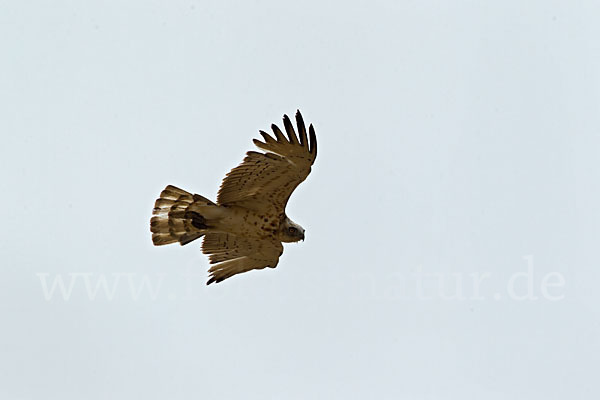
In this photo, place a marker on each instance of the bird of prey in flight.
(245, 228)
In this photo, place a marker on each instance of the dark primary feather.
(278, 134)
(290, 130)
(301, 129)
(313, 141)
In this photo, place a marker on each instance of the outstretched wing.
(265, 181)
(235, 254)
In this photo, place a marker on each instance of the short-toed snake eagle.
(245, 228)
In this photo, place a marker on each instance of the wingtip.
(278, 134)
(301, 128)
(215, 279)
(266, 137)
(313, 140)
(289, 129)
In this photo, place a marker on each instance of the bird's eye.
(292, 230)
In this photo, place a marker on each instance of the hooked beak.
(302, 237)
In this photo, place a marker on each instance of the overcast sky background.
(458, 141)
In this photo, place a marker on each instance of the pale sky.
(451, 217)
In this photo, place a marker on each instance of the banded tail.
(179, 216)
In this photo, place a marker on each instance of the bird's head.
(289, 231)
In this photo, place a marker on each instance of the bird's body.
(246, 227)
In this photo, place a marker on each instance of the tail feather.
(174, 220)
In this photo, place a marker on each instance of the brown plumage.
(245, 228)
